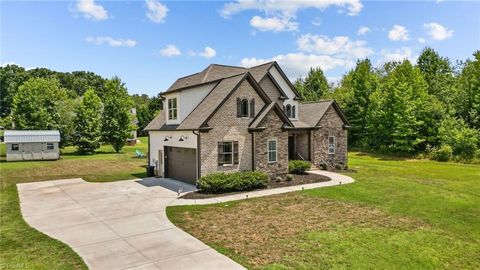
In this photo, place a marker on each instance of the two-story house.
(228, 118)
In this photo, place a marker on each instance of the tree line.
(430, 107)
(87, 108)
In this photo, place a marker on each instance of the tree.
(88, 120)
(66, 111)
(438, 74)
(363, 82)
(116, 121)
(397, 113)
(456, 133)
(11, 77)
(315, 86)
(35, 105)
(468, 89)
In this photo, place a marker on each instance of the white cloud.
(112, 41)
(289, 8)
(281, 15)
(298, 64)
(397, 55)
(273, 24)
(91, 10)
(422, 40)
(398, 32)
(156, 11)
(437, 31)
(170, 50)
(363, 30)
(340, 46)
(208, 52)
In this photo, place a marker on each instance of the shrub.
(236, 181)
(298, 166)
(444, 153)
(289, 177)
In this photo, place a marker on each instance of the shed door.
(180, 164)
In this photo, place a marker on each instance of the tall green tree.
(438, 74)
(35, 105)
(397, 113)
(315, 86)
(11, 78)
(117, 119)
(88, 121)
(363, 82)
(468, 92)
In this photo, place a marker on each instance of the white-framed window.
(14, 147)
(172, 108)
(272, 150)
(290, 111)
(331, 144)
(50, 146)
(227, 153)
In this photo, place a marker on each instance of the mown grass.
(22, 247)
(400, 214)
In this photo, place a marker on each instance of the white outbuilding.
(32, 144)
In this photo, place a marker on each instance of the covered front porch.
(300, 144)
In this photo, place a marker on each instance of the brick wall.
(271, 90)
(331, 124)
(273, 125)
(227, 127)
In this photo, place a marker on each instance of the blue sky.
(149, 44)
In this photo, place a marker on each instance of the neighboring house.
(228, 118)
(32, 144)
(133, 133)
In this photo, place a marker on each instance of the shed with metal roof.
(32, 144)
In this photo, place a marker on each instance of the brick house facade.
(239, 119)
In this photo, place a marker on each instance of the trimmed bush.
(229, 182)
(298, 166)
(444, 153)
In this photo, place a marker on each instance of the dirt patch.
(297, 180)
(257, 229)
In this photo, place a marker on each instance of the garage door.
(181, 164)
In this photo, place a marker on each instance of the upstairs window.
(331, 144)
(172, 109)
(290, 111)
(227, 153)
(245, 108)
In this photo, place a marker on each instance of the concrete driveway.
(117, 225)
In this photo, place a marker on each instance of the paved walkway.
(123, 225)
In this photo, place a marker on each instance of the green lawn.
(22, 247)
(400, 214)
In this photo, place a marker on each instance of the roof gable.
(255, 124)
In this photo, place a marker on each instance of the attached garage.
(181, 164)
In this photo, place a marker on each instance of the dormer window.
(245, 108)
(172, 108)
(290, 111)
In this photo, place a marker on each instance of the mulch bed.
(297, 180)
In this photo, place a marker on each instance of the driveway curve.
(123, 225)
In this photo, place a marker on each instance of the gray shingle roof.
(210, 103)
(310, 113)
(157, 122)
(24, 136)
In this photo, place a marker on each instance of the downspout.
(198, 154)
(253, 150)
(149, 149)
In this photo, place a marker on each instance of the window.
(272, 151)
(245, 108)
(227, 153)
(290, 111)
(172, 109)
(14, 147)
(50, 146)
(331, 144)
